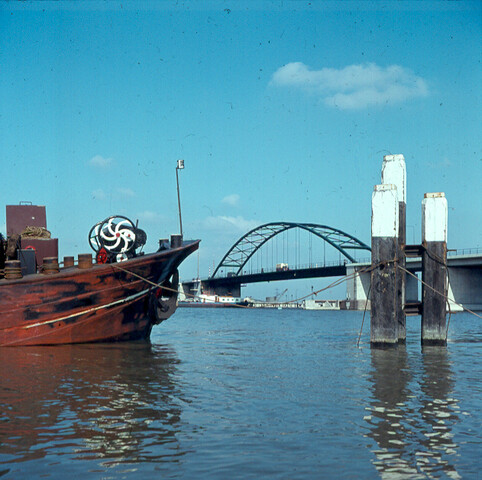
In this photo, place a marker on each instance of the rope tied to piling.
(337, 282)
(449, 300)
(331, 285)
(446, 297)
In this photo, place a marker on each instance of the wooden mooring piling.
(384, 298)
(394, 172)
(434, 269)
(389, 252)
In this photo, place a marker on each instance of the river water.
(237, 393)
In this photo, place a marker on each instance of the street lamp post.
(180, 166)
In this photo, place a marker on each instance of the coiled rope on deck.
(35, 232)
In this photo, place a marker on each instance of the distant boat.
(118, 297)
(214, 301)
(310, 304)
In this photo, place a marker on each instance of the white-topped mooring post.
(434, 269)
(385, 228)
(394, 172)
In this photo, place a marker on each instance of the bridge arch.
(241, 252)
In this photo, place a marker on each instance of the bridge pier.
(357, 287)
(464, 288)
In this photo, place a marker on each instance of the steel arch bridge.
(241, 252)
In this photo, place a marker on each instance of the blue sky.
(282, 111)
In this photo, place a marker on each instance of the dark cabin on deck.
(28, 239)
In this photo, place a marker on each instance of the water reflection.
(439, 412)
(118, 403)
(411, 414)
(388, 426)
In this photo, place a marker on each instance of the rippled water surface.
(227, 393)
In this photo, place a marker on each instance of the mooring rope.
(333, 284)
(140, 277)
(440, 293)
(160, 285)
(448, 300)
(364, 312)
(337, 282)
(369, 269)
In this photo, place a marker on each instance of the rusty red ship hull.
(107, 302)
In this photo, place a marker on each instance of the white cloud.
(119, 194)
(149, 216)
(99, 194)
(354, 86)
(100, 161)
(229, 224)
(126, 192)
(231, 200)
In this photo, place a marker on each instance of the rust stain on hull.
(103, 303)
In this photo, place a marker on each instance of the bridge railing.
(334, 263)
(255, 271)
(464, 251)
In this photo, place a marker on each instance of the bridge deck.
(228, 283)
(313, 272)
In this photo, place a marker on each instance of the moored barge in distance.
(119, 296)
(215, 301)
